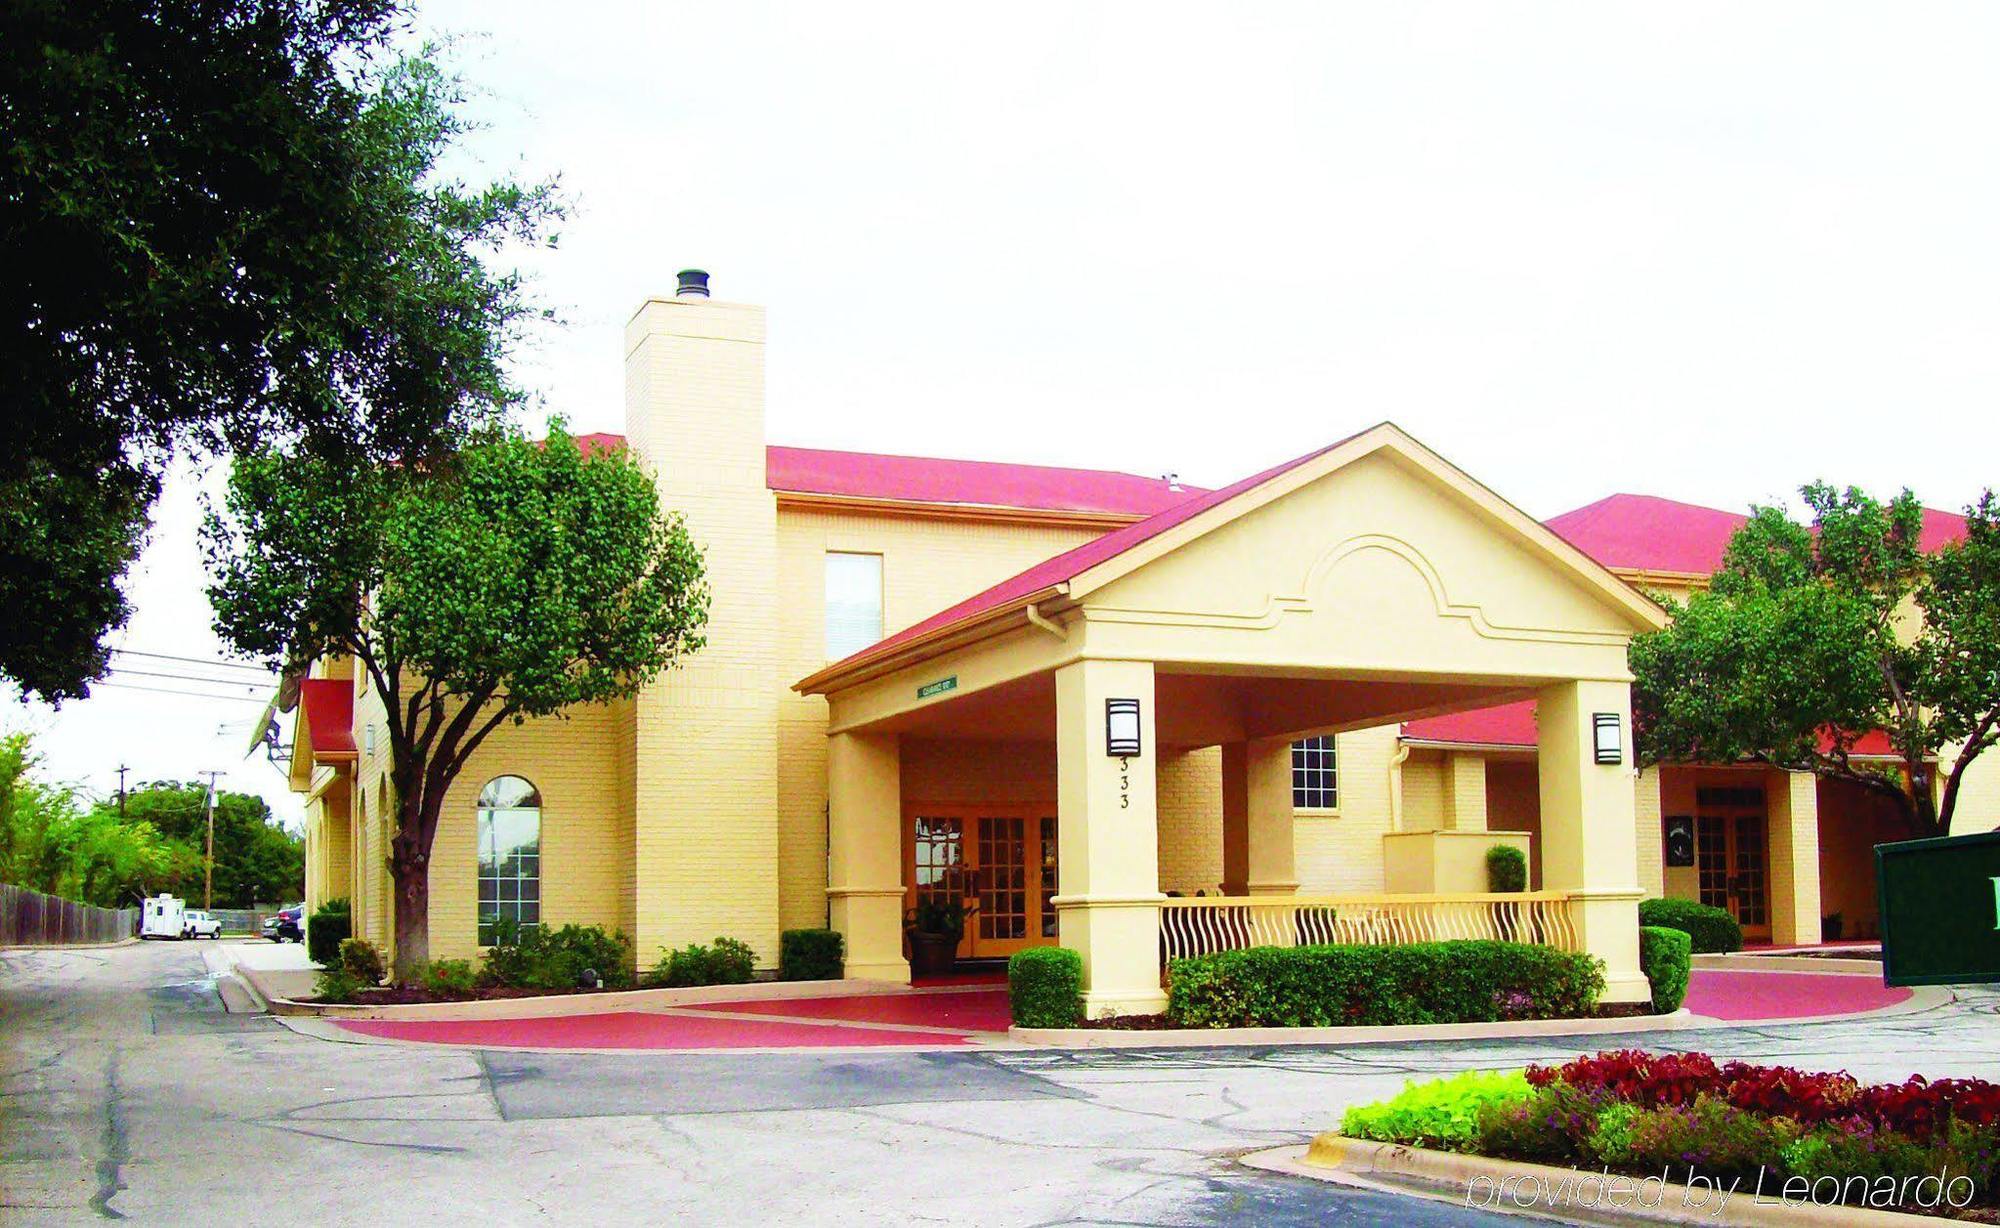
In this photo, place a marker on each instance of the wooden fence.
(29, 918)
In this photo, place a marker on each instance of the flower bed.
(1811, 1137)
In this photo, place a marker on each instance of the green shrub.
(1045, 987)
(448, 978)
(1711, 1135)
(811, 955)
(362, 960)
(1544, 1127)
(336, 984)
(1664, 954)
(556, 959)
(326, 929)
(1334, 986)
(1506, 869)
(1713, 930)
(1440, 1113)
(726, 962)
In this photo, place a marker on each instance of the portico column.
(1257, 828)
(1792, 815)
(864, 841)
(1588, 814)
(1108, 906)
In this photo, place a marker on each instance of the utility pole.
(208, 868)
(122, 769)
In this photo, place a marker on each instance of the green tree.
(256, 859)
(50, 842)
(516, 579)
(224, 225)
(1812, 637)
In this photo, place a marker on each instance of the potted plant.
(1831, 926)
(936, 925)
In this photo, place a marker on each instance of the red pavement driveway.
(957, 1016)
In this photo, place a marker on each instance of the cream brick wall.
(585, 859)
(1189, 785)
(1650, 834)
(927, 563)
(705, 829)
(1342, 855)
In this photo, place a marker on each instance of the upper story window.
(1315, 775)
(853, 602)
(510, 854)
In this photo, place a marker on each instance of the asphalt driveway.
(126, 1091)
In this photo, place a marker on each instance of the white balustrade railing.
(1203, 925)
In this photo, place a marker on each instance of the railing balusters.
(1203, 925)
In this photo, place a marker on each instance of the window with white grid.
(1315, 779)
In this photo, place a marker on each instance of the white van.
(162, 916)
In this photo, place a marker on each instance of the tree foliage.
(512, 580)
(1813, 637)
(257, 860)
(224, 225)
(51, 842)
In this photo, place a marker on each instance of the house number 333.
(1125, 797)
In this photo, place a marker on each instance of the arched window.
(510, 854)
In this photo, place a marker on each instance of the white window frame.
(852, 642)
(1316, 775)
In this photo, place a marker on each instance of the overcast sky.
(1702, 251)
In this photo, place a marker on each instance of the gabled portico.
(1367, 583)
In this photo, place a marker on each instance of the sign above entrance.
(1940, 901)
(939, 687)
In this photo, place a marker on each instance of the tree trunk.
(413, 914)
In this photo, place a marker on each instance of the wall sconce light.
(1121, 727)
(1610, 737)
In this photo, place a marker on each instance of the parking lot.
(130, 1092)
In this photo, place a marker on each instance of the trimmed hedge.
(811, 955)
(1467, 981)
(326, 929)
(1713, 930)
(1665, 954)
(1045, 987)
(1506, 869)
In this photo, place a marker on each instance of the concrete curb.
(1741, 962)
(569, 1004)
(1191, 1038)
(1449, 1175)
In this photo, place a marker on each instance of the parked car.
(198, 924)
(287, 924)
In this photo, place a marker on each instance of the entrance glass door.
(1002, 866)
(1730, 856)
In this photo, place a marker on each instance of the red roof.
(1507, 725)
(926, 479)
(326, 708)
(921, 479)
(1072, 563)
(1514, 725)
(1648, 533)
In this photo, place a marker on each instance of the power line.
(141, 673)
(164, 656)
(160, 690)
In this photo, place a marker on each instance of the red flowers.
(1918, 1108)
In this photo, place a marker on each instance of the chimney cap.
(693, 284)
